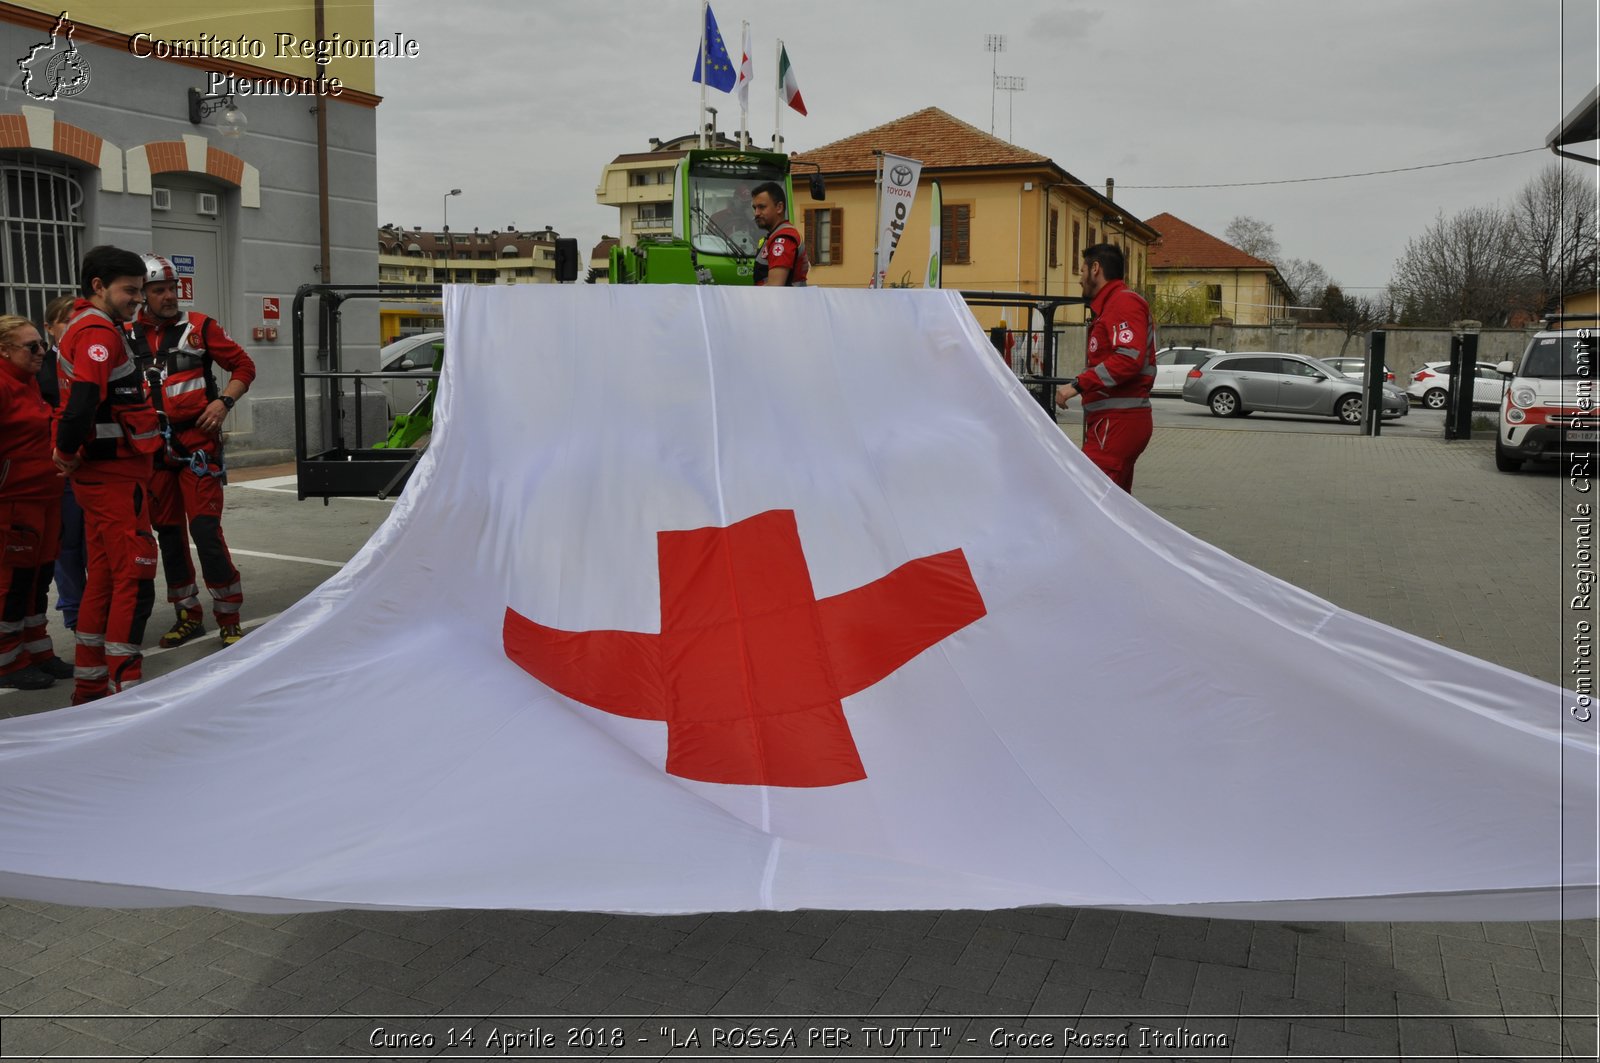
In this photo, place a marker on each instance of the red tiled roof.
(938, 139)
(1182, 246)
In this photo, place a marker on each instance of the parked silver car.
(409, 354)
(1237, 384)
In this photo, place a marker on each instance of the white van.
(1549, 409)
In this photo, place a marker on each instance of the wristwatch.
(226, 400)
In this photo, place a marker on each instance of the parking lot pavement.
(1415, 532)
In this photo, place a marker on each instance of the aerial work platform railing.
(1042, 384)
(344, 468)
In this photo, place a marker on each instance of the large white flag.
(897, 191)
(796, 599)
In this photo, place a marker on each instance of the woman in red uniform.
(30, 512)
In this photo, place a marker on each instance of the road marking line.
(276, 557)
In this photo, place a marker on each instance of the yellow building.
(1013, 220)
(1214, 278)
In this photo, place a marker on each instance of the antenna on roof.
(994, 44)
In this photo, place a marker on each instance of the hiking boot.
(54, 667)
(29, 678)
(186, 628)
(230, 633)
(84, 699)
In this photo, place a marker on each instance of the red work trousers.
(120, 589)
(31, 536)
(187, 503)
(1114, 439)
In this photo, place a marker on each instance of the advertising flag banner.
(935, 234)
(796, 600)
(897, 191)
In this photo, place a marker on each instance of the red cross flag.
(796, 600)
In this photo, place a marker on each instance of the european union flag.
(720, 72)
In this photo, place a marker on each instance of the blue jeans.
(70, 563)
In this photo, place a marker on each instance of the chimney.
(1111, 188)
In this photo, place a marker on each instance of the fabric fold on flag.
(797, 600)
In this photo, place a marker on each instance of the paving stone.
(1409, 981)
(1213, 978)
(873, 973)
(1272, 948)
(726, 966)
(1296, 1012)
(1170, 981)
(1021, 977)
(977, 957)
(1260, 1037)
(1577, 991)
(817, 972)
(751, 995)
(905, 996)
(1581, 1040)
(1126, 983)
(524, 986)
(1061, 1000)
(247, 1036)
(1478, 1041)
(114, 987)
(811, 999)
(958, 927)
(1308, 1040)
(704, 940)
(1320, 980)
(454, 980)
(1131, 949)
(1489, 952)
(945, 974)
(683, 997)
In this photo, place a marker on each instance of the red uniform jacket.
(26, 472)
(1121, 354)
(104, 411)
(783, 248)
(182, 351)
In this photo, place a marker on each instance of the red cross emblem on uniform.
(750, 668)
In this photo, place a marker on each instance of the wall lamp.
(230, 124)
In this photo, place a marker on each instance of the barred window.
(41, 234)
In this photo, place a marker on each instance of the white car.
(1173, 365)
(1549, 407)
(408, 354)
(1356, 367)
(1431, 384)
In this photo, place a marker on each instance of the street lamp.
(451, 239)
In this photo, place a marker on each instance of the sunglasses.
(32, 346)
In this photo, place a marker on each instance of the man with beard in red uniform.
(106, 433)
(177, 351)
(781, 260)
(1120, 367)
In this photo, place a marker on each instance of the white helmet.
(158, 269)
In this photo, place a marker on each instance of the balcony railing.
(643, 224)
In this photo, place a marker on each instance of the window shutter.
(810, 235)
(836, 238)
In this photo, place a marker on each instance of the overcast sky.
(520, 103)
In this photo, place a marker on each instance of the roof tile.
(1182, 246)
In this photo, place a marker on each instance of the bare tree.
(1181, 306)
(1461, 267)
(1305, 278)
(1254, 237)
(1553, 219)
(1355, 315)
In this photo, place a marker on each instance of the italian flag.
(788, 87)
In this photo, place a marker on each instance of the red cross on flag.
(716, 599)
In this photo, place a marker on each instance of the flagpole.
(877, 217)
(700, 122)
(777, 99)
(744, 96)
